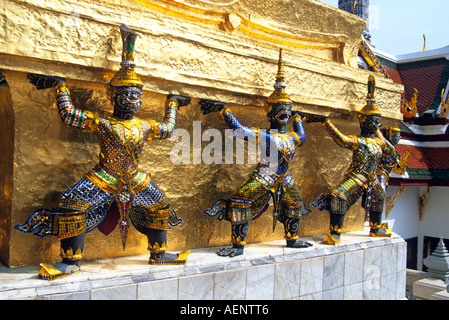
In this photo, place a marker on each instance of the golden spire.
(353, 8)
(126, 76)
(279, 95)
(370, 107)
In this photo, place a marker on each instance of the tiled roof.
(426, 158)
(427, 72)
(429, 77)
(426, 163)
(391, 69)
(393, 74)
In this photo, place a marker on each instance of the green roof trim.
(428, 173)
(387, 63)
(405, 129)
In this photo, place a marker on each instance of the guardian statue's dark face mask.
(370, 123)
(127, 99)
(280, 113)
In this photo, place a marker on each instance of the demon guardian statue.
(116, 187)
(360, 179)
(271, 178)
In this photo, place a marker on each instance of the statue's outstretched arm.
(164, 129)
(209, 106)
(239, 129)
(299, 133)
(349, 142)
(82, 119)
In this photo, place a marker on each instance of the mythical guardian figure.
(116, 190)
(271, 178)
(369, 149)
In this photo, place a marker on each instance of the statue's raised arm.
(164, 129)
(70, 115)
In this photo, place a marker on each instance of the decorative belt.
(110, 184)
(270, 182)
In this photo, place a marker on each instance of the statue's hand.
(44, 82)
(3, 82)
(309, 117)
(315, 118)
(300, 113)
(209, 106)
(182, 101)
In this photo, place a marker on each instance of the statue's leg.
(71, 252)
(336, 225)
(291, 229)
(340, 200)
(292, 208)
(157, 240)
(81, 205)
(377, 228)
(150, 214)
(239, 234)
(240, 212)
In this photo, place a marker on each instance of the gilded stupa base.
(191, 48)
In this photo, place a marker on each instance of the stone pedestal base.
(360, 267)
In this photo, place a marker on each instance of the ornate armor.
(361, 174)
(394, 162)
(271, 174)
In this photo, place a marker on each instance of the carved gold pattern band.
(246, 26)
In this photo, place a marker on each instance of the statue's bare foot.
(230, 252)
(58, 270)
(169, 258)
(332, 239)
(298, 244)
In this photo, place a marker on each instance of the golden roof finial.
(444, 106)
(410, 109)
(353, 8)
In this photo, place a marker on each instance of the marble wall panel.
(230, 285)
(158, 290)
(287, 279)
(196, 287)
(260, 283)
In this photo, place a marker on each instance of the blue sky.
(398, 25)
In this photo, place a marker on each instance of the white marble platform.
(360, 267)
